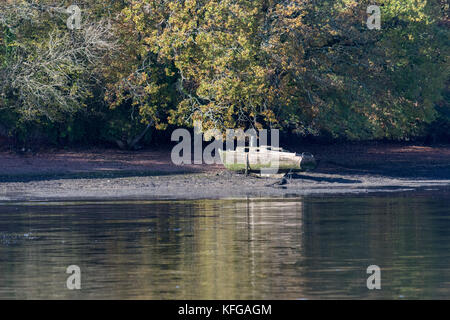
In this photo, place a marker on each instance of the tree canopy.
(308, 67)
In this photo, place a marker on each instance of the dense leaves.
(308, 67)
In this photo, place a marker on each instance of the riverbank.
(109, 174)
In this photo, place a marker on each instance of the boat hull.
(266, 160)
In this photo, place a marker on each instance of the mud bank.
(210, 185)
(103, 174)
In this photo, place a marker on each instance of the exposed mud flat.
(209, 185)
(97, 175)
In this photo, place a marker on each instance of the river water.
(298, 248)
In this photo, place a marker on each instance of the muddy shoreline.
(206, 186)
(150, 175)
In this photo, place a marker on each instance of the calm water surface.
(312, 248)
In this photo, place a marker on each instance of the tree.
(141, 87)
(49, 71)
(306, 66)
(309, 66)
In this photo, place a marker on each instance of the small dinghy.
(266, 158)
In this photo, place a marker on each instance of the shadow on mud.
(323, 179)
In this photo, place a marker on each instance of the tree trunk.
(131, 143)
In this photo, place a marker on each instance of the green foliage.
(439, 129)
(308, 67)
